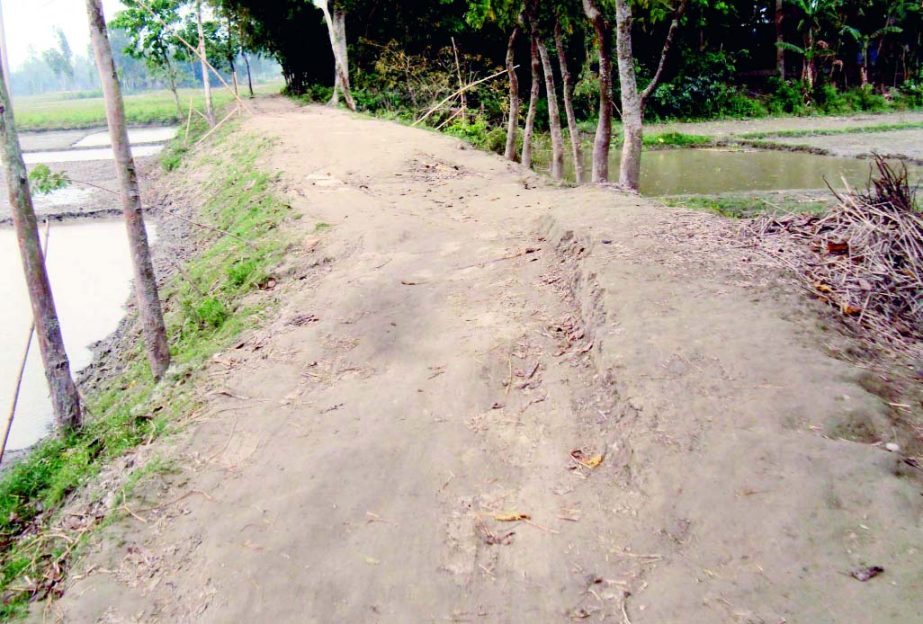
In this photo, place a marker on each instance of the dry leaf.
(512, 517)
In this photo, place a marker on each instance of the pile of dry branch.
(865, 257)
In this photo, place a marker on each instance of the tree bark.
(665, 52)
(568, 80)
(336, 30)
(145, 283)
(206, 82)
(630, 168)
(780, 38)
(64, 398)
(601, 142)
(171, 76)
(249, 76)
(533, 104)
(554, 115)
(512, 127)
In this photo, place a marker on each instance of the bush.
(786, 97)
(479, 133)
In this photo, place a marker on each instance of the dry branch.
(865, 257)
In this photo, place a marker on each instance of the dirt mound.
(617, 425)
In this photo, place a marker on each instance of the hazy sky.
(31, 23)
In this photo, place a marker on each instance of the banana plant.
(813, 15)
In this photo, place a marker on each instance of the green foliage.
(675, 139)
(477, 132)
(43, 180)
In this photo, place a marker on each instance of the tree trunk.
(336, 30)
(533, 105)
(630, 169)
(568, 80)
(145, 283)
(554, 116)
(864, 67)
(601, 142)
(780, 38)
(249, 77)
(171, 76)
(64, 398)
(512, 128)
(206, 82)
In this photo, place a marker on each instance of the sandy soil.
(468, 345)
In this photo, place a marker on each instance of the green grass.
(908, 125)
(745, 206)
(62, 111)
(675, 140)
(206, 306)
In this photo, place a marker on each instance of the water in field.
(715, 171)
(85, 155)
(136, 136)
(90, 273)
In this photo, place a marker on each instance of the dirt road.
(489, 399)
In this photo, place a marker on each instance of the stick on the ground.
(188, 123)
(217, 125)
(465, 88)
(22, 365)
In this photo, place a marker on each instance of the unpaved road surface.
(489, 399)
(903, 143)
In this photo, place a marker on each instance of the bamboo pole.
(465, 88)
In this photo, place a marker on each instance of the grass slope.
(206, 305)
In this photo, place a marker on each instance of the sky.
(31, 23)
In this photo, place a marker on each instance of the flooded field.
(90, 272)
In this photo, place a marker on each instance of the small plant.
(43, 180)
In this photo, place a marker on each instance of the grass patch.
(64, 111)
(908, 125)
(745, 206)
(206, 307)
(675, 140)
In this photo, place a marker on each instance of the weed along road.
(467, 394)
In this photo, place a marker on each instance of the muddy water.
(90, 276)
(714, 171)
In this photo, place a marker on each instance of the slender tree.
(551, 94)
(603, 36)
(534, 92)
(568, 83)
(336, 30)
(633, 102)
(780, 38)
(512, 125)
(64, 398)
(145, 283)
(206, 81)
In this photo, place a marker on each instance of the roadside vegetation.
(206, 305)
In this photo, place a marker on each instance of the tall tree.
(568, 83)
(203, 60)
(633, 102)
(336, 30)
(64, 398)
(551, 94)
(779, 18)
(61, 58)
(512, 124)
(145, 282)
(150, 26)
(603, 38)
(534, 92)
